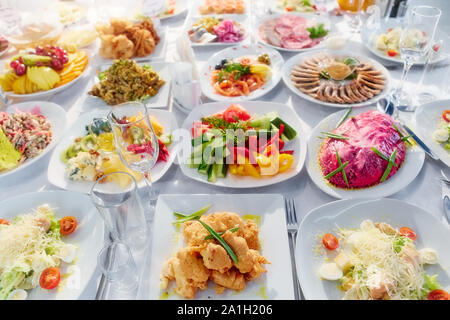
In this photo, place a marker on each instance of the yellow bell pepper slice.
(285, 162)
(250, 170)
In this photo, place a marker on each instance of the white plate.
(368, 36)
(88, 237)
(48, 93)
(180, 8)
(278, 8)
(349, 214)
(253, 107)
(57, 118)
(158, 54)
(427, 117)
(312, 19)
(242, 19)
(277, 282)
(56, 168)
(198, 3)
(292, 62)
(237, 52)
(160, 100)
(405, 175)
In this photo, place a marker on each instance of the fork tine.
(286, 209)
(294, 212)
(289, 218)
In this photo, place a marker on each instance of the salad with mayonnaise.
(389, 42)
(380, 262)
(32, 250)
(442, 133)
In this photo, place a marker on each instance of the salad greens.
(317, 31)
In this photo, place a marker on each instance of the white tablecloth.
(424, 191)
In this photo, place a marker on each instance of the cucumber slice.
(221, 170)
(203, 168)
(212, 173)
(288, 132)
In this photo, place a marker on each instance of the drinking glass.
(136, 141)
(115, 196)
(354, 8)
(117, 264)
(415, 43)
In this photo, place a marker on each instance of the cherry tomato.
(67, 225)
(392, 53)
(245, 61)
(234, 113)
(409, 233)
(438, 294)
(3, 221)
(50, 278)
(330, 241)
(446, 115)
(436, 47)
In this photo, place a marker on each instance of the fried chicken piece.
(119, 25)
(215, 257)
(223, 221)
(145, 43)
(246, 259)
(250, 233)
(194, 233)
(123, 47)
(167, 272)
(257, 269)
(107, 49)
(189, 272)
(231, 279)
(147, 24)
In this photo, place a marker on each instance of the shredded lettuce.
(9, 282)
(430, 283)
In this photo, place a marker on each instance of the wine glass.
(354, 8)
(415, 43)
(135, 141)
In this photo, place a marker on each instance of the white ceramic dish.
(312, 20)
(57, 118)
(253, 107)
(160, 100)
(276, 283)
(56, 168)
(234, 53)
(427, 117)
(349, 214)
(48, 93)
(242, 19)
(197, 4)
(407, 173)
(181, 6)
(292, 62)
(88, 237)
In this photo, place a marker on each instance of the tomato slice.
(409, 233)
(235, 112)
(330, 241)
(3, 221)
(392, 53)
(438, 294)
(67, 225)
(50, 278)
(446, 115)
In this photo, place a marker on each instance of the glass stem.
(152, 195)
(407, 65)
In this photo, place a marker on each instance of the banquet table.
(424, 191)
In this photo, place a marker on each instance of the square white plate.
(160, 100)
(277, 283)
(88, 237)
(56, 168)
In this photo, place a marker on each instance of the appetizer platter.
(303, 6)
(67, 235)
(431, 122)
(43, 71)
(362, 154)
(87, 152)
(244, 72)
(409, 239)
(128, 80)
(28, 131)
(336, 80)
(206, 7)
(173, 8)
(252, 162)
(293, 32)
(383, 42)
(217, 30)
(260, 232)
(125, 39)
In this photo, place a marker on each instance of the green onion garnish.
(209, 237)
(192, 216)
(343, 171)
(349, 111)
(390, 165)
(404, 138)
(331, 135)
(341, 168)
(378, 152)
(221, 241)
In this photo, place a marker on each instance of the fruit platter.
(42, 71)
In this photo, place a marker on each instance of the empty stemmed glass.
(415, 43)
(135, 141)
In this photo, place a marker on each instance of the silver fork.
(292, 228)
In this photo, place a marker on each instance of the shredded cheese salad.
(31, 250)
(377, 261)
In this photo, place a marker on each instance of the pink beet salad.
(363, 151)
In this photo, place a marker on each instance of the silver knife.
(446, 199)
(420, 142)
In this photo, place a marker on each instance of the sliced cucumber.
(212, 173)
(288, 132)
(221, 170)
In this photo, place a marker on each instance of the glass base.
(424, 97)
(403, 102)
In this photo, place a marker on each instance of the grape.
(14, 64)
(56, 64)
(21, 69)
